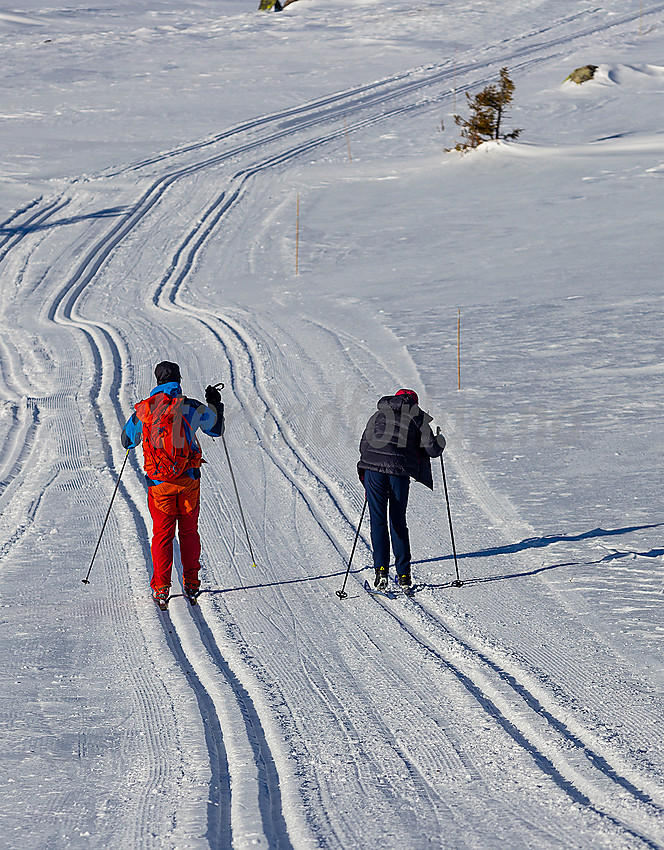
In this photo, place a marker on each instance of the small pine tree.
(488, 109)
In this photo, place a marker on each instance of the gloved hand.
(360, 474)
(212, 396)
(442, 442)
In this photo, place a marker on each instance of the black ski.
(406, 589)
(388, 592)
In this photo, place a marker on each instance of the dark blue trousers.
(387, 496)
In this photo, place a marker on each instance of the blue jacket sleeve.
(212, 420)
(206, 417)
(132, 433)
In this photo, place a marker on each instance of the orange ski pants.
(174, 504)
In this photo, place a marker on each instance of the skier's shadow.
(528, 543)
(13, 230)
(213, 591)
(615, 556)
(542, 542)
(503, 577)
(417, 588)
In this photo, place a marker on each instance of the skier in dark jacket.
(397, 445)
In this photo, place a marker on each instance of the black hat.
(167, 373)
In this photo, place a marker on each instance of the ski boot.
(380, 582)
(161, 596)
(191, 591)
(405, 580)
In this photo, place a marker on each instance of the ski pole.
(458, 582)
(219, 386)
(342, 593)
(86, 580)
(239, 503)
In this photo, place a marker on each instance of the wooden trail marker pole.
(350, 158)
(297, 237)
(459, 347)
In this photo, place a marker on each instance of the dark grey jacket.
(398, 440)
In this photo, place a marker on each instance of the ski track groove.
(269, 794)
(538, 701)
(5, 225)
(219, 830)
(225, 633)
(18, 445)
(18, 231)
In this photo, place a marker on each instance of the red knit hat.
(410, 393)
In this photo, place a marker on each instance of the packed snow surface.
(266, 198)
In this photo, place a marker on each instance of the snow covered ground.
(151, 164)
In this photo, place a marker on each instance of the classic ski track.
(18, 444)
(103, 338)
(353, 100)
(242, 723)
(574, 779)
(9, 222)
(18, 447)
(244, 795)
(100, 337)
(253, 792)
(539, 700)
(220, 825)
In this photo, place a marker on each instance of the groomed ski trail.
(241, 730)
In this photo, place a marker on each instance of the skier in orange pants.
(165, 424)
